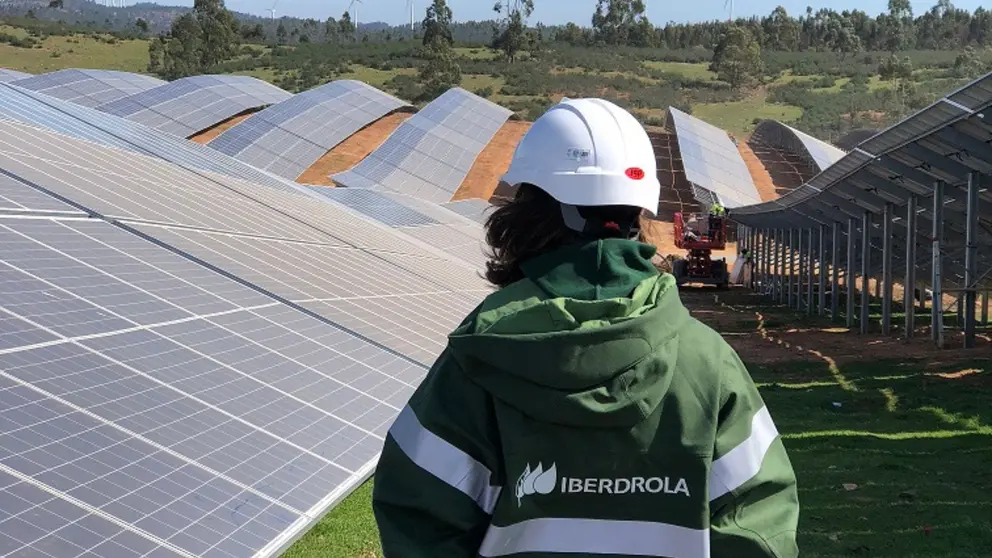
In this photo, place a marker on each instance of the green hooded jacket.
(582, 412)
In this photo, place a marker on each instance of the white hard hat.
(588, 152)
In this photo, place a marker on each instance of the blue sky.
(560, 11)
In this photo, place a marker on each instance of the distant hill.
(159, 18)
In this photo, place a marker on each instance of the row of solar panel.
(428, 156)
(203, 377)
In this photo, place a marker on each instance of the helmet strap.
(597, 225)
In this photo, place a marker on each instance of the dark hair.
(525, 225)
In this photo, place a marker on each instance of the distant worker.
(580, 410)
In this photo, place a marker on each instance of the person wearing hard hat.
(580, 410)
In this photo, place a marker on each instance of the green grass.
(475, 53)
(375, 77)
(347, 532)
(692, 71)
(874, 82)
(80, 51)
(738, 117)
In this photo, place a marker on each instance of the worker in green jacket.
(580, 410)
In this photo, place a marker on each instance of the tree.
(895, 68)
(440, 71)
(57, 4)
(737, 58)
(437, 25)
(141, 24)
(254, 32)
(968, 64)
(510, 31)
(221, 32)
(281, 33)
(621, 22)
(197, 40)
(345, 26)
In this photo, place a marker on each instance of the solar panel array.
(430, 154)
(712, 162)
(192, 364)
(89, 87)
(819, 153)
(92, 125)
(288, 137)
(190, 105)
(439, 227)
(474, 208)
(11, 75)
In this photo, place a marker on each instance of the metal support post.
(985, 308)
(865, 268)
(780, 271)
(909, 288)
(971, 259)
(801, 271)
(752, 250)
(887, 269)
(850, 285)
(937, 306)
(792, 258)
(822, 273)
(834, 270)
(810, 263)
(766, 241)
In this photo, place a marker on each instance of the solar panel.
(11, 75)
(820, 151)
(14, 198)
(286, 138)
(430, 154)
(474, 208)
(89, 87)
(422, 220)
(193, 104)
(294, 243)
(92, 125)
(177, 403)
(208, 375)
(712, 161)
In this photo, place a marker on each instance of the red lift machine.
(708, 234)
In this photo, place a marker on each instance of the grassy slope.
(56, 53)
(915, 448)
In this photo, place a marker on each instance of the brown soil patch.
(787, 171)
(759, 174)
(209, 134)
(676, 192)
(492, 163)
(783, 341)
(351, 151)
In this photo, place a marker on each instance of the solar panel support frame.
(908, 302)
(937, 312)
(971, 260)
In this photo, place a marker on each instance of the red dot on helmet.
(635, 173)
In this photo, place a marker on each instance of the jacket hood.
(588, 338)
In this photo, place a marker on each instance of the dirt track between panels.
(491, 164)
(206, 136)
(351, 151)
(762, 333)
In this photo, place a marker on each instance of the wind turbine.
(730, 18)
(272, 10)
(409, 4)
(356, 13)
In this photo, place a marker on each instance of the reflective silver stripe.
(443, 460)
(744, 461)
(597, 536)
